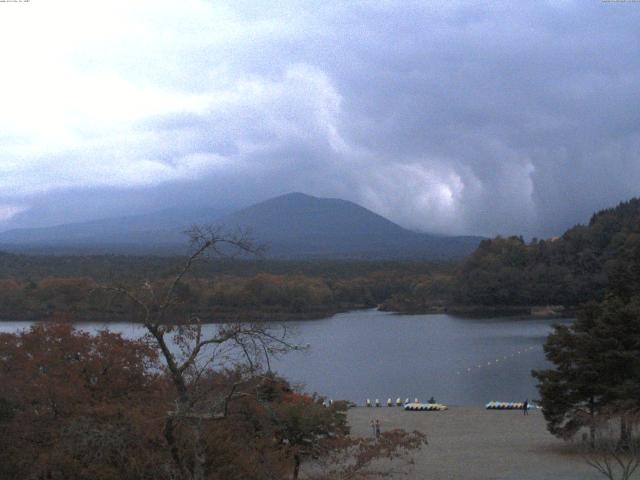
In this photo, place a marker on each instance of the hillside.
(157, 232)
(582, 265)
(292, 226)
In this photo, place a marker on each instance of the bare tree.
(604, 450)
(365, 458)
(189, 350)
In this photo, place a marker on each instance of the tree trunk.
(199, 453)
(625, 435)
(296, 466)
(592, 423)
(169, 430)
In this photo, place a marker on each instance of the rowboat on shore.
(506, 405)
(425, 407)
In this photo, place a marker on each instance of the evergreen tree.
(596, 367)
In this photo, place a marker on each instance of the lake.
(371, 354)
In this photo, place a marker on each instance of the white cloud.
(85, 75)
(445, 116)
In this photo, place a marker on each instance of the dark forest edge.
(504, 276)
(553, 276)
(34, 288)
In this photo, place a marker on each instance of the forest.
(39, 287)
(505, 273)
(576, 267)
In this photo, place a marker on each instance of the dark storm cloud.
(455, 117)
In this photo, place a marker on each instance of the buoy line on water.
(497, 362)
(416, 405)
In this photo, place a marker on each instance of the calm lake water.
(370, 354)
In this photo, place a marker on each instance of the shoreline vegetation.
(280, 297)
(481, 311)
(471, 312)
(503, 277)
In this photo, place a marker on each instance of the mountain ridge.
(293, 225)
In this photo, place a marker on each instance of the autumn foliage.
(76, 406)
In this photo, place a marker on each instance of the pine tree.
(596, 367)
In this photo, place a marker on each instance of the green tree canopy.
(596, 366)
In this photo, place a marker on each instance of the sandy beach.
(471, 443)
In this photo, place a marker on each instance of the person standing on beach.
(373, 429)
(377, 428)
(525, 407)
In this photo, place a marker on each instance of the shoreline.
(516, 313)
(484, 311)
(215, 318)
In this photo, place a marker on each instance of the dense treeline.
(122, 267)
(72, 288)
(569, 270)
(502, 273)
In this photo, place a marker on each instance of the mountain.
(291, 225)
(299, 225)
(156, 232)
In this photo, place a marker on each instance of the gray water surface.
(370, 354)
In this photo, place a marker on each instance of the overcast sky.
(483, 117)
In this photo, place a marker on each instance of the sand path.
(478, 444)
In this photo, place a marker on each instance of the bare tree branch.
(155, 305)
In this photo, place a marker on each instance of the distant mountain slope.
(159, 232)
(293, 225)
(300, 225)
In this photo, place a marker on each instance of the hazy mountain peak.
(292, 225)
